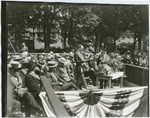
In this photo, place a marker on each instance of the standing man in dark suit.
(79, 59)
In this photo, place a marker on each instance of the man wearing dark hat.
(56, 81)
(25, 96)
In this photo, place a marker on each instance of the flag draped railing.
(122, 102)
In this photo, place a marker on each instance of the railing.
(29, 53)
(56, 105)
(137, 75)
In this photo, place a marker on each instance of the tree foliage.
(77, 23)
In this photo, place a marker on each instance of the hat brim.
(49, 59)
(18, 58)
(52, 66)
(19, 66)
(61, 61)
(24, 61)
(40, 64)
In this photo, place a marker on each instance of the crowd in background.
(138, 59)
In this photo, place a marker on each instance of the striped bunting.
(46, 105)
(120, 102)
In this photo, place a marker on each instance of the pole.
(11, 45)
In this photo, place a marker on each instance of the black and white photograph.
(71, 59)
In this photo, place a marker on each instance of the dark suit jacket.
(33, 84)
(22, 75)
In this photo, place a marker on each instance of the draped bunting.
(102, 103)
(122, 102)
(46, 104)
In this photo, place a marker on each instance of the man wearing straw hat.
(41, 64)
(13, 105)
(64, 71)
(56, 81)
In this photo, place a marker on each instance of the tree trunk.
(115, 43)
(17, 38)
(100, 45)
(139, 42)
(47, 41)
(134, 44)
(33, 39)
(64, 42)
(45, 36)
(70, 32)
(96, 41)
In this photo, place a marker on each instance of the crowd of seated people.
(25, 83)
(21, 84)
(63, 71)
